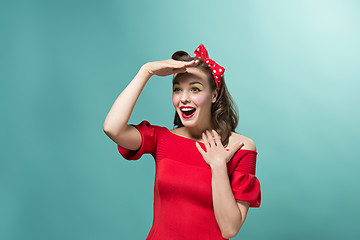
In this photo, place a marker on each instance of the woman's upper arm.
(130, 138)
(137, 140)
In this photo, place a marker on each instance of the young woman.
(205, 172)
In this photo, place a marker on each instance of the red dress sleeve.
(245, 185)
(148, 143)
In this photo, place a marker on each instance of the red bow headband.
(216, 69)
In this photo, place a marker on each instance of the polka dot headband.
(216, 69)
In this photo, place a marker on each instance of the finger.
(182, 64)
(179, 70)
(211, 139)
(207, 144)
(236, 147)
(217, 138)
(175, 61)
(193, 63)
(202, 152)
(178, 65)
(187, 63)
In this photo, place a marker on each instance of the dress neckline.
(201, 142)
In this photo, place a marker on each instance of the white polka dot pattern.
(218, 71)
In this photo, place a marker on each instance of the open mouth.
(187, 112)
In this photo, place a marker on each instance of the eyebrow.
(176, 82)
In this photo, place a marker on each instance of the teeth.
(187, 109)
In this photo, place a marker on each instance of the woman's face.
(191, 91)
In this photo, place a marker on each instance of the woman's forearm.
(120, 112)
(227, 212)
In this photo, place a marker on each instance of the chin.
(193, 122)
(189, 124)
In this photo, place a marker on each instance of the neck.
(196, 131)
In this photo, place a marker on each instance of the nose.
(184, 97)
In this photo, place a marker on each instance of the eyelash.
(191, 89)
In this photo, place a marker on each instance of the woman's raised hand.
(216, 154)
(170, 66)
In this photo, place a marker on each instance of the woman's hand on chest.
(215, 153)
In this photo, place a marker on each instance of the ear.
(214, 96)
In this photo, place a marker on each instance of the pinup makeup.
(192, 97)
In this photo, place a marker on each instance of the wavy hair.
(224, 112)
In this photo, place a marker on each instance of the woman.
(203, 189)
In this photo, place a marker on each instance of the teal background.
(291, 66)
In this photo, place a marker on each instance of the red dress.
(183, 207)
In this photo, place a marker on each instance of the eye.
(195, 88)
(176, 89)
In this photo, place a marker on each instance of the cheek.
(175, 100)
(201, 100)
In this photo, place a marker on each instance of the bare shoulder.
(249, 144)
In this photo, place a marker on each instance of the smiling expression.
(192, 90)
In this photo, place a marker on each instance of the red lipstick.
(187, 116)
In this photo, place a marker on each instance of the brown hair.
(224, 113)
